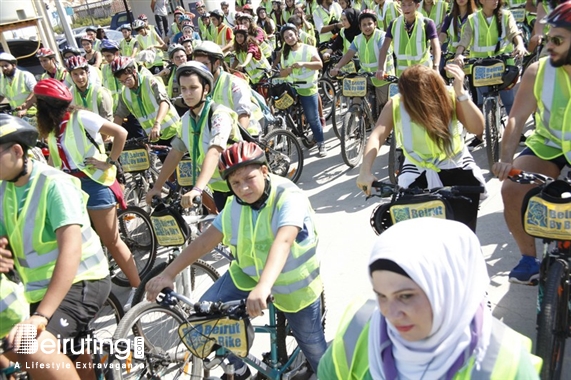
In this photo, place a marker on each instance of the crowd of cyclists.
(193, 89)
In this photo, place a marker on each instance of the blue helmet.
(109, 45)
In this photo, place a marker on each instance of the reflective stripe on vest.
(302, 74)
(485, 37)
(454, 38)
(384, 18)
(255, 68)
(554, 107)
(369, 55)
(127, 47)
(326, 16)
(410, 50)
(223, 95)
(13, 308)
(146, 42)
(417, 144)
(144, 106)
(220, 37)
(61, 74)
(437, 12)
(89, 102)
(35, 259)
(112, 84)
(15, 91)
(79, 148)
(346, 43)
(299, 284)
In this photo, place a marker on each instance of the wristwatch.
(110, 161)
(463, 97)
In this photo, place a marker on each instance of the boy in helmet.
(49, 63)
(16, 85)
(129, 46)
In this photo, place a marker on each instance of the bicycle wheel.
(339, 111)
(136, 230)
(492, 131)
(284, 154)
(352, 138)
(326, 91)
(553, 326)
(202, 276)
(162, 355)
(396, 159)
(105, 322)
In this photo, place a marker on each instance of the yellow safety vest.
(389, 12)
(410, 50)
(61, 74)
(195, 142)
(346, 43)
(417, 145)
(35, 259)
(220, 35)
(89, 102)
(112, 84)
(454, 38)
(369, 55)
(151, 40)
(326, 16)
(15, 90)
(171, 85)
(299, 284)
(79, 148)
(127, 47)
(302, 74)
(485, 37)
(552, 135)
(437, 12)
(13, 307)
(144, 106)
(255, 68)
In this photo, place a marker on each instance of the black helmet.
(15, 130)
(70, 49)
(286, 27)
(217, 13)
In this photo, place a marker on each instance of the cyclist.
(229, 90)
(488, 38)
(151, 42)
(110, 50)
(46, 236)
(150, 28)
(91, 31)
(69, 51)
(49, 63)
(429, 320)
(207, 129)
(367, 45)
(175, 26)
(258, 34)
(229, 15)
(451, 29)
(327, 17)
(277, 14)
(92, 56)
(146, 98)
(350, 29)
(249, 57)
(188, 45)
(76, 147)
(301, 63)
(428, 119)
(203, 28)
(410, 48)
(209, 33)
(289, 8)
(548, 150)
(306, 26)
(16, 85)
(267, 24)
(129, 46)
(177, 56)
(306, 38)
(187, 29)
(387, 11)
(90, 96)
(222, 33)
(434, 10)
(269, 226)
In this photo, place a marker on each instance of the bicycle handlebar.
(388, 189)
(156, 201)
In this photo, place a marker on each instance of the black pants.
(162, 24)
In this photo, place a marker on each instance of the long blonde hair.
(428, 102)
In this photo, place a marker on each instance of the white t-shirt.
(92, 123)
(161, 7)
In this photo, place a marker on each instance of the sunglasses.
(555, 40)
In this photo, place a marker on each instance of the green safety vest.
(346, 43)
(144, 106)
(220, 35)
(13, 307)
(350, 349)
(552, 134)
(89, 102)
(197, 146)
(126, 47)
(267, 6)
(174, 30)
(437, 12)
(417, 145)
(112, 84)
(61, 74)
(410, 50)
(334, 12)
(15, 90)
(255, 68)
(299, 284)
(151, 40)
(454, 39)
(391, 10)
(310, 7)
(97, 45)
(79, 148)
(35, 259)
(171, 85)
(302, 74)
(485, 37)
(266, 48)
(369, 55)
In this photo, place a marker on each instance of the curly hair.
(50, 114)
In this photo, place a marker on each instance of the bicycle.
(545, 215)
(206, 328)
(396, 155)
(519, 14)
(341, 102)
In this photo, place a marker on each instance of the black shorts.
(78, 308)
(560, 161)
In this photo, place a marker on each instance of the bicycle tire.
(553, 327)
(284, 154)
(140, 240)
(209, 270)
(105, 322)
(164, 358)
(341, 106)
(352, 138)
(492, 132)
(327, 95)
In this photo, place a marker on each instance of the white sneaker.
(322, 150)
(127, 305)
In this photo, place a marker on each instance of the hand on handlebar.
(502, 170)
(380, 74)
(257, 300)
(187, 199)
(519, 51)
(334, 72)
(156, 284)
(154, 192)
(365, 181)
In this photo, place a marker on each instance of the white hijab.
(444, 258)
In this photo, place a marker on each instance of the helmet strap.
(257, 205)
(24, 169)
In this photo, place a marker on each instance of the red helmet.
(184, 39)
(76, 62)
(248, 7)
(53, 88)
(87, 37)
(238, 155)
(200, 4)
(241, 29)
(560, 17)
(45, 52)
(122, 63)
(143, 17)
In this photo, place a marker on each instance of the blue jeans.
(507, 97)
(311, 109)
(305, 324)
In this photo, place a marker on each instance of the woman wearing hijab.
(350, 21)
(430, 320)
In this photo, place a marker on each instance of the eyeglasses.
(555, 40)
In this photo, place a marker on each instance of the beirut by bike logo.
(122, 349)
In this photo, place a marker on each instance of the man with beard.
(15, 85)
(548, 148)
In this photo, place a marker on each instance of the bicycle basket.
(169, 226)
(284, 95)
(488, 72)
(135, 157)
(184, 172)
(204, 337)
(355, 86)
(410, 207)
(546, 211)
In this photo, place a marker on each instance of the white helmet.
(8, 58)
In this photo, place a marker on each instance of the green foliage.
(86, 21)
